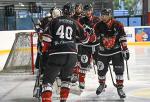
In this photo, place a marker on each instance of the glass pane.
(1, 20)
(135, 21)
(11, 23)
(23, 21)
(97, 12)
(123, 20)
(127, 7)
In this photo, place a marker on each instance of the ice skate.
(121, 93)
(100, 89)
(74, 78)
(38, 86)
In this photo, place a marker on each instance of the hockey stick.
(127, 70)
(37, 86)
(111, 76)
(34, 25)
(126, 66)
(124, 57)
(94, 69)
(94, 66)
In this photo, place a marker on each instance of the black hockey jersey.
(110, 37)
(63, 32)
(44, 21)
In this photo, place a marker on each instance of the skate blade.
(122, 99)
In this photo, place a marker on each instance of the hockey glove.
(92, 31)
(38, 29)
(88, 29)
(126, 54)
(125, 51)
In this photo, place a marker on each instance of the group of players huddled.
(72, 39)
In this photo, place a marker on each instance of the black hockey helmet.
(68, 9)
(87, 7)
(106, 12)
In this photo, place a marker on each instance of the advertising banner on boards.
(142, 34)
(130, 32)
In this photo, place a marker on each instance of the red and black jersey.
(76, 16)
(63, 32)
(89, 21)
(110, 36)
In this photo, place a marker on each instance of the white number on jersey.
(67, 34)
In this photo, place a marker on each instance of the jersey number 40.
(64, 32)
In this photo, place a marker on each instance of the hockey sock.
(81, 77)
(46, 93)
(119, 80)
(120, 91)
(76, 70)
(46, 96)
(64, 92)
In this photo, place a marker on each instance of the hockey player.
(59, 40)
(88, 21)
(77, 16)
(113, 47)
(40, 27)
(42, 57)
(78, 11)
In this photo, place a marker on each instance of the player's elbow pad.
(46, 38)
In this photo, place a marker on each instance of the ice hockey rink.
(18, 87)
